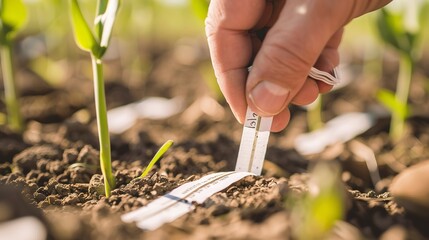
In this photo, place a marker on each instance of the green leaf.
(388, 99)
(200, 8)
(402, 27)
(157, 156)
(13, 15)
(82, 33)
(322, 206)
(391, 29)
(423, 15)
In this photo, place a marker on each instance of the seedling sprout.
(97, 45)
(164, 148)
(401, 30)
(12, 16)
(315, 214)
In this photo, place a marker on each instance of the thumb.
(290, 48)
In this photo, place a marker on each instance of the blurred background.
(159, 48)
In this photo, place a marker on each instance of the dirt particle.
(53, 200)
(13, 176)
(63, 177)
(41, 164)
(96, 185)
(42, 179)
(79, 187)
(33, 174)
(88, 155)
(27, 159)
(79, 175)
(62, 189)
(55, 167)
(71, 199)
(220, 210)
(70, 156)
(38, 197)
(51, 185)
(5, 168)
(102, 209)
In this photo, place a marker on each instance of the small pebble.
(38, 197)
(96, 184)
(410, 189)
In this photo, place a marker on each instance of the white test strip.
(254, 140)
(256, 131)
(180, 201)
(325, 77)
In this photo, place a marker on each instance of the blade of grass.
(83, 35)
(13, 15)
(157, 156)
(11, 93)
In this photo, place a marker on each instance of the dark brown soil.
(51, 170)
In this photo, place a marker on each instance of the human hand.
(302, 34)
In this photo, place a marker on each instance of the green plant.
(200, 8)
(314, 114)
(158, 155)
(401, 29)
(315, 212)
(96, 44)
(13, 15)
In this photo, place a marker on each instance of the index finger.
(227, 29)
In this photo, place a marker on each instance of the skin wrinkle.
(280, 64)
(241, 21)
(267, 15)
(221, 67)
(304, 99)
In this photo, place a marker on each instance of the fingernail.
(269, 97)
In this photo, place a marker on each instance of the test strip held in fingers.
(254, 140)
(256, 132)
(325, 77)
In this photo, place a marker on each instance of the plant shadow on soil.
(53, 169)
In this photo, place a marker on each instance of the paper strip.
(253, 146)
(180, 201)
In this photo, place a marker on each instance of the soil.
(51, 171)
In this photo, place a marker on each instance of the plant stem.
(402, 91)
(314, 114)
(11, 92)
(103, 130)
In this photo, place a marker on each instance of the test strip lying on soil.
(181, 200)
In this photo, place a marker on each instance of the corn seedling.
(315, 213)
(96, 44)
(314, 114)
(164, 148)
(13, 15)
(401, 29)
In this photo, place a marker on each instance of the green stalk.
(314, 114)
(402, 92)
(103, 133)
(11, 92)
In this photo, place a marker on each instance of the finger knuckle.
(286, 61)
